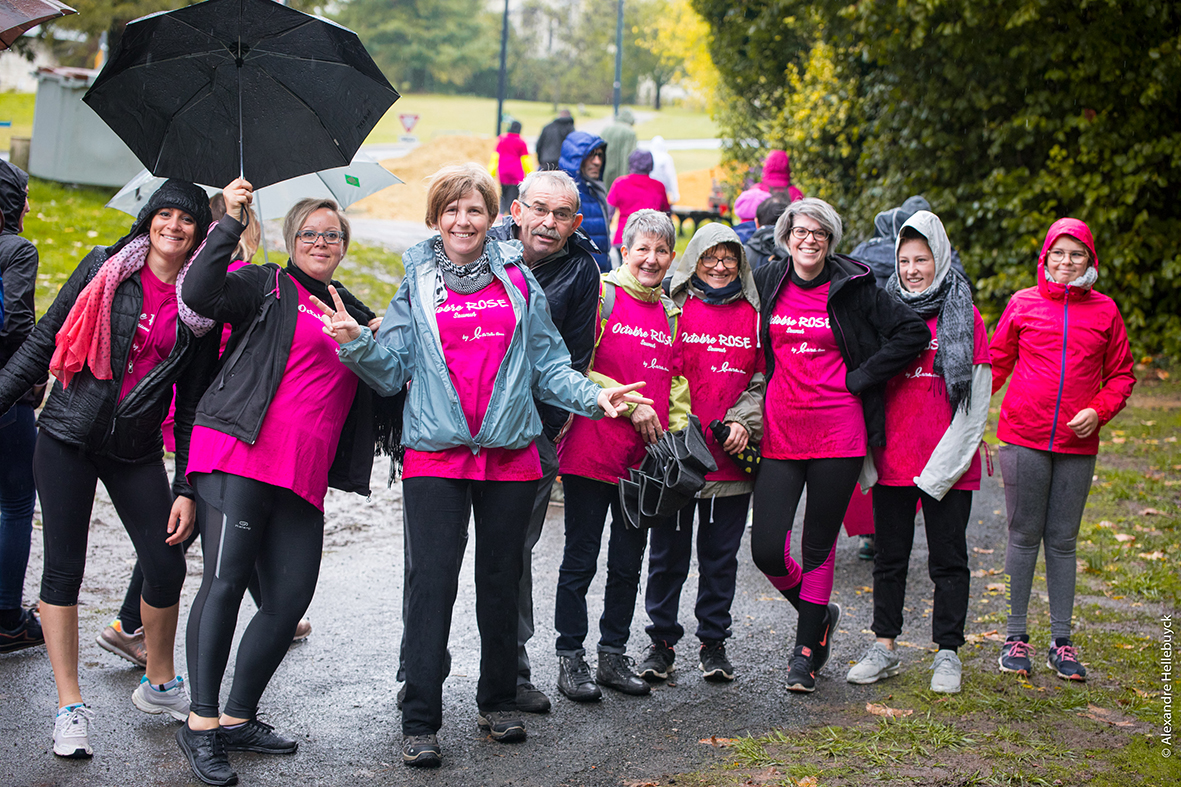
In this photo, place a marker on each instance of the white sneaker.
(71, 732)
(878, 662)
(948, 670)
(174, 701)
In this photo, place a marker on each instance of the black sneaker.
(659, 661)
(531, 699)
(421, 751)
(1016, 655)
(257, 736)
(26, 634)
(1062, 658)
(617, 671)
(504, 726)
(802, 676)
(575, 681)
(714, 664)
(206, 753)
(824, 646)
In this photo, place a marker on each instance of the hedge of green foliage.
(1005, 114)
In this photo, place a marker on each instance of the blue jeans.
(18, 493)
(587, 502)
(722, 521)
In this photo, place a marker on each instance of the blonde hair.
(454, 182)
(299, 213)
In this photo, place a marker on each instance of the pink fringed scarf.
(85, 337)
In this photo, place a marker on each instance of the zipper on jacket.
(1061, 372)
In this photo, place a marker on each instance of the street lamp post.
(503, 69)
(618, 57)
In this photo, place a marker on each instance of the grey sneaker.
(71, 732)
(878, 662)
(947, 669)
(174, 701)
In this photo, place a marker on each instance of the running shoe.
(1062, 658)
(617, 671)
(421, 751)
(658, 663)
(129, 646)
(1016, 655)
(802, 676)
(867, 549)
(71, 732)
(504, 726)
(173, 701)
(258, 736)
(878, 663)
(824, 647)
(206, 752)
(715, 667)
(26, 634)
(948, 672)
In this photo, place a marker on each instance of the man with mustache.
(545, 218)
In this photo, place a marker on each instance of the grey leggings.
(1045, 494)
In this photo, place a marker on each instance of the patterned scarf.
(85, 336)
(463, 279)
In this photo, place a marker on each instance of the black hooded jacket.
(18, 267)
(570, 281)
(877, 335)
(88, 414)
(762, 248)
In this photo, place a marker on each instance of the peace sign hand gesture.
(338, 323)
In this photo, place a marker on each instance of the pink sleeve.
(979, 339)
(1002, 351)
(1118, 378)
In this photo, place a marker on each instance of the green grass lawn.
(18, 108)
(677, 123)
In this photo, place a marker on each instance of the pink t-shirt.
(475, 330)
(635, 346)
(301, 429)
(719, 354)
(918, 412)
(155, 335)
(808, 413)
(634, 192)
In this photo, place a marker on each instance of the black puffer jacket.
(18, 266)
(261, 304)
(88, 414)
(877, 335)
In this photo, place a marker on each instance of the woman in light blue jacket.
(470, 336)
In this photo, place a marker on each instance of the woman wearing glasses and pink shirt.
(831, 339)
(282, 421)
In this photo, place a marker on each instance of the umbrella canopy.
(229, 87)
(346, 185)
(19, 16)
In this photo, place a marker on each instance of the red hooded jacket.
(1067, 349)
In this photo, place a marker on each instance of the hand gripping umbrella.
(19, 16)
(240, 87)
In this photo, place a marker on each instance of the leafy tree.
(675, 37)
(1006, 114)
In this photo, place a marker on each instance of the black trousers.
(947, 559)
(436, 513)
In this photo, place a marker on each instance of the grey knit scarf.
(463, 279)
(952, 301)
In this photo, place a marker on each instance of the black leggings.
(778, 489)
(247, 524)
(66, 478)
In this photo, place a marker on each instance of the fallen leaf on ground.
(1158, 555)
(721, 743)
(980, 551)
(807, 781)
(1151, 512)
(991, 636)
(1106, 523)
(1095, 713)
(996, 585)
(883, 710)
(1125, 537)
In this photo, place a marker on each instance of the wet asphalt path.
(335, 692)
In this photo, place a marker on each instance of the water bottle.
(747, 459)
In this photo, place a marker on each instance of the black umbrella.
(19, 16)
(230, 87)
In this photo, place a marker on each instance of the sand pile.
(407, 202)
(695, 186)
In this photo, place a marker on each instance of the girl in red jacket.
(1067, 349)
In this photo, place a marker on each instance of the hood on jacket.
(888, 223)
(763, 241)
(1080, 232)
(930, 227)
(575, 148)
(703, 240)
(777, 170)
(14, 190)
(625, 116)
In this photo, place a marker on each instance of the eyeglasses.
(331, 237)
(541, 211)
(803, 232)
(1076, 257)
(710, 261)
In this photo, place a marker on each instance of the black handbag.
(672, 473)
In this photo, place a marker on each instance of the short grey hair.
(299, 213)
(650, 222)
(554, 178)
(816, 209)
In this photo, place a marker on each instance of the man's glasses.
(541, 211)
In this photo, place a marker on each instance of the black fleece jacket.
(877, 335)
(18, 267)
